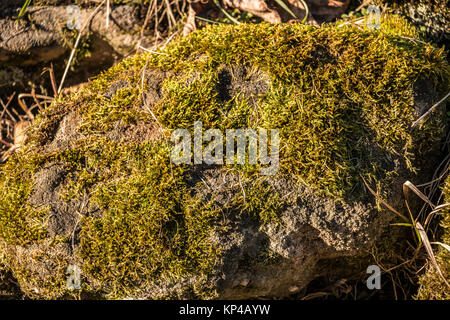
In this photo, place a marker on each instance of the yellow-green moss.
(20, 222)
(332, 92)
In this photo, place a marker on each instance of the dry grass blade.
(170, 16)
(408, 185)
(52, 79)
(430, 110)
(383, 202)
(72, 54)
(315, 295)
(145, 100)
(217, 3)
(443, 245)
(440, 207)
(435, 211)
(5, 106)
(430, 252)
(438, 178)
(151, 51)
(23, 105)
(36, 100)
(144, 25)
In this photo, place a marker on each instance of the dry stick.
(413, 40)
(365, 3)
(434, 184)
(53, 80)
(151, 51)
(169, 39)
(164, 15)
(40, 96)
(18, 115)
(34, 106)
(24, 106)
(430, 110)
(438, 175)
(437, 179)
(435, 211)
(147, 18)
(156, 21)
(170, 16)
(177, 6)
(382, 201)
(35, 98)
(33, 93)
(1, 116)
(9, 145)
(5, 107)
(72, 54)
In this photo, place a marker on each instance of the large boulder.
(46, 34)
(95, 187)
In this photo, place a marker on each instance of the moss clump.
(148, 216)
(432, 285)
(333, 76)
(20, 222)
(342, 98)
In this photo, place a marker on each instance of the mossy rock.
(431, 17)
(432, 286)
(94, 185)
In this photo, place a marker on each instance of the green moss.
(149, 201)
(332, 93)
(20, 222)
(259, 201)
(334, 76)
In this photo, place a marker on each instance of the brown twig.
(52, 79)
(5, 107)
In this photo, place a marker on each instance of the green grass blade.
(216, 2)
(207, 20)
(285, 7)
(306, 11)
(24, 8)
(403, 224)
